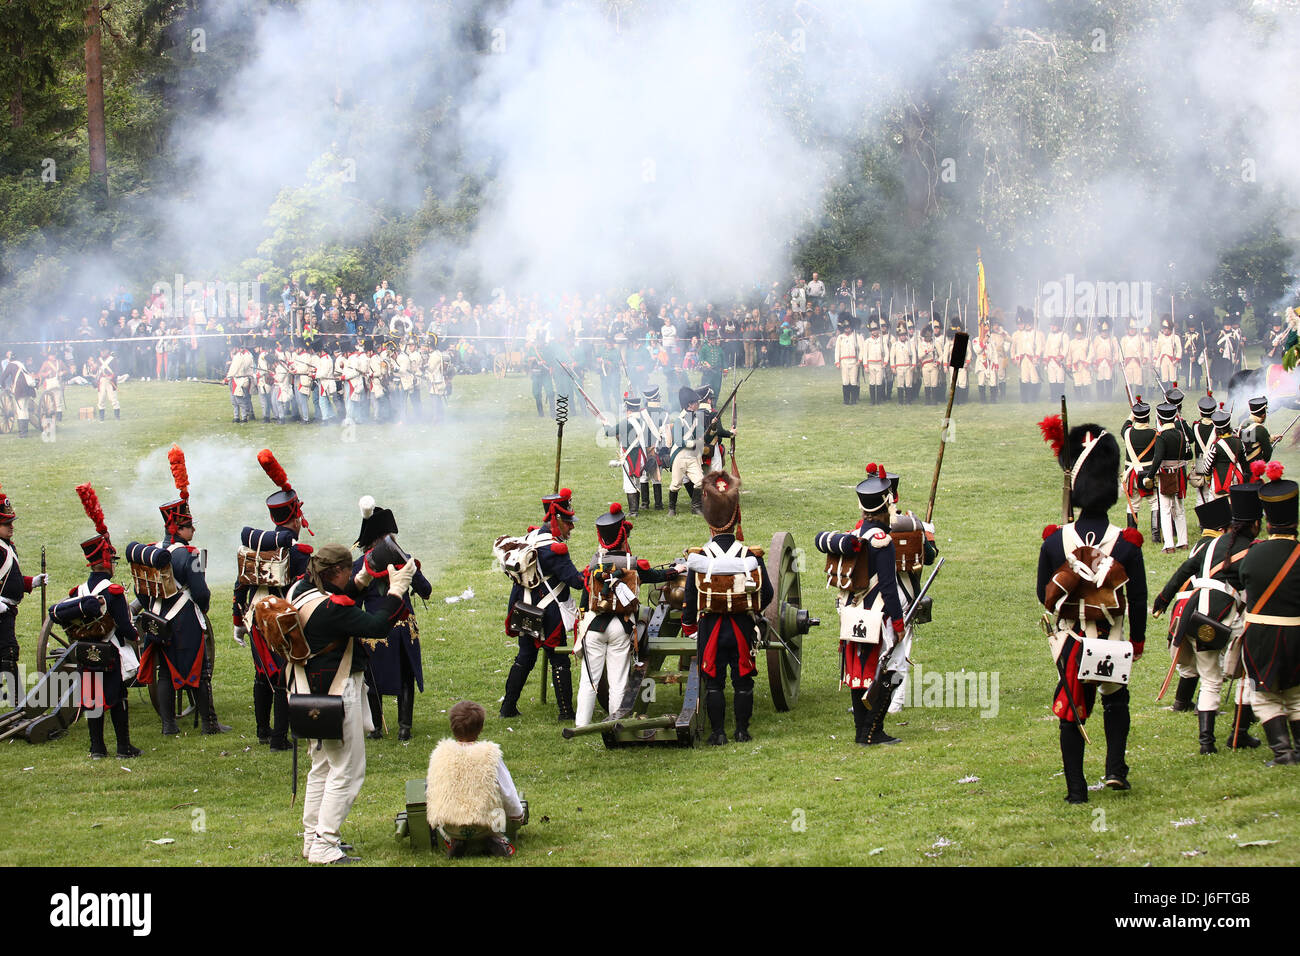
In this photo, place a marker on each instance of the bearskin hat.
(1091, 454)
(720, 501)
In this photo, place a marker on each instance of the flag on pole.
(982, 295)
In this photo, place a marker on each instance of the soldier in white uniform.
(875, 356)
(1105, 356)
(1055, 352)
(1168, 353)
(902, 360)
(239, 376)
(848, 359)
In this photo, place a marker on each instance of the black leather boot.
(514, 687)
(1076, 784)
(877, 733)
(562, 681)
(262, 709)
(744, 705)
(715, 705)
(847, 390)
(208, 709)
(1184, 693)
(645, 496)
(672, 504)
(376, 704)
(1206, 718)
(1241, 721)
(1115, 716)
(167, 706)
(405, 709)
(98, 749)
(280, 722)
(861, 718)
(659, 497)
(633, 505)
(697, 501)
(1279, 739)
(117, 413)
(122, 731)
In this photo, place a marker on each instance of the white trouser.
(905, 668)
(1172, 516)
(338, 768)
(108, 392)
(1208, 665)
(686, 467)
(1270, 704)
(603, 652)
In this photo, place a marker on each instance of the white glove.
(362, 578)
(399, 579)
(39, 579)
(239, 633)
(7, 605)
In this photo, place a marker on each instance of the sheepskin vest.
(462, 785)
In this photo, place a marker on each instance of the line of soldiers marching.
(391, 382)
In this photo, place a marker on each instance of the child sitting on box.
(471, 798)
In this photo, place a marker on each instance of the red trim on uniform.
(263, 657)
(1072, 685)
(27, 584)
(559, 547)
(116, 589)
(342, 600)
(304, 548)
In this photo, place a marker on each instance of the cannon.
(53, 705)
(413, 822)
(668, 657)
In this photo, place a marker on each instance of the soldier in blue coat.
(557, 606)
(13, 586)
(395, 666)
(106, 601)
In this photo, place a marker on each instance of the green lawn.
(959, 789)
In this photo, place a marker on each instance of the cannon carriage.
(666, 657)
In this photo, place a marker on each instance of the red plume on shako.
(284, 504)
(176, 513)
(100, 547)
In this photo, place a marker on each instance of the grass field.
(961, 788)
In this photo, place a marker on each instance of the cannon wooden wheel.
(50, 647)
(8, 413)
(46, 407)
(784, 656)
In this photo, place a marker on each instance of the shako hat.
(651, 396)
(1279, 501)
(1206, 406)
(612, 526)
(631, 402)
(1216, 514)
(560, 504)
(284, 505)
(1221, 418)
(705, 392)
(1167, 411)
(720, 501)
(875, 491)
(1244, 503)
(686, 396)
(1176, 396)
(7, 512)
(176, 513)
(98, 549)
(1258, 405)
(1141, 410)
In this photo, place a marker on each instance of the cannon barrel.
(623, 723)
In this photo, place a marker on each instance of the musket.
(1067, 506)
(717, 416)
(561, 416)
(879, 687)
(735, 420)
(595, 409)
(1280, 436)
(1046, 621)
(1128, 389)
(960, 341)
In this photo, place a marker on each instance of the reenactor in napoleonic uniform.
(635, 446)
(1079, 360)
(14, 585)
(395, 666)
(98, 614)
(269, 562)
(862, 566)
(727, 587)
(1270, 574)
(928, 358)
(326, 385)
(1078, 608)
(553, 598)
(875, 359)
(1105, 357)
(1224, 464)
(1168, 353)
(687, 446)
(1131, 354)
(848, 359)
(902, 360)
(1001, 347)
(437, 370)
(50, 381)
(176, 636)
(1056, 351)
(658, 423)
(963, 374)
(914, 549)
(540, 371)
(106, 381)
(1203, 437)
(607, 624)
(1256, 442)
(1167, 477)
(1224, 354)
(239, 376)
(713, 454)
(1027, 347)
(1139, 440)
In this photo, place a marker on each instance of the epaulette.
(878, 538)
(1050, 530)
(72, 592)
(342, 600)
(1133, 536)
(116, 589)
(304, 548)
(559, 547)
